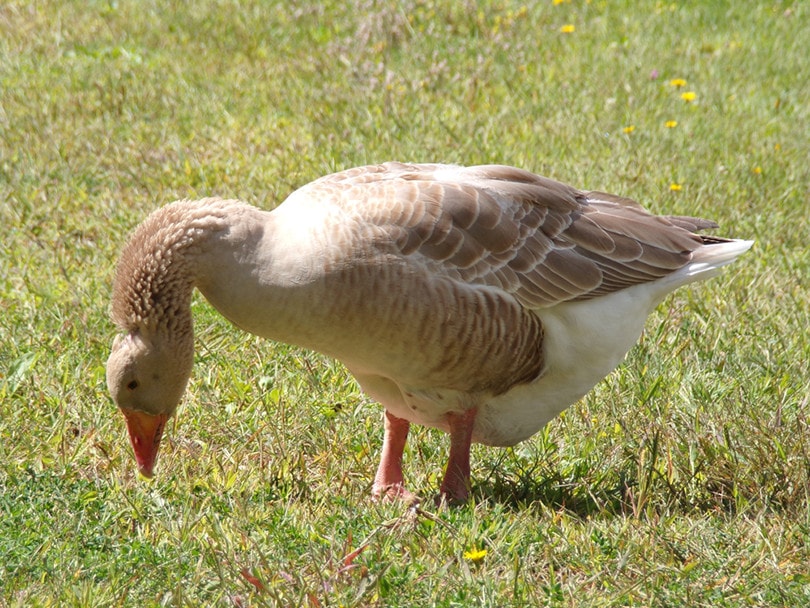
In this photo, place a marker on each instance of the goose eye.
(132, 385)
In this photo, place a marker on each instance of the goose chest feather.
(479, 300)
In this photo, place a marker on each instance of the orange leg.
(389, 481)
(455, 487)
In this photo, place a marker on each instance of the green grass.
(682, 479)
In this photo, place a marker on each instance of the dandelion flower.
(558, 2)
(671, 124)
(475, 555)
(758, 170)
(629, 129)
(568, 29)
(677, 82)
(675, 187)
(689, 96)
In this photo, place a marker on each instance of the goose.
(481, 300)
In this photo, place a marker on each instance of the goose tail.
(708, 259)
(716, 253)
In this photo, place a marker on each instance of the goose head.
(146, 378)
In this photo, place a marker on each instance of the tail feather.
(713, 255)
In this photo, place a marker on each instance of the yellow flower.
(671, 124)
(629, 129)
(758, 170)
(558, 2)
(689, 96)
(475, 555)
(567, 29)
(675, 187)
(677, 82)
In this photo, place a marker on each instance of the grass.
(682, 479)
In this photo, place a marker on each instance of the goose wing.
(535, 238)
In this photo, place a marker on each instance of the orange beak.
(145, 431)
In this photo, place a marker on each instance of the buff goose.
(479, 300)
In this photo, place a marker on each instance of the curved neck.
(235, 255)
(158, 268)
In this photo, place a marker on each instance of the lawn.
(681, 480)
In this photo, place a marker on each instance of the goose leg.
(455, 487)
(389, 481)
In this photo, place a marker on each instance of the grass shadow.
(578, 496)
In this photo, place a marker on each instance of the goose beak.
(145, 432)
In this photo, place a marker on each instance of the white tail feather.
(717, 255)
(707, 261)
